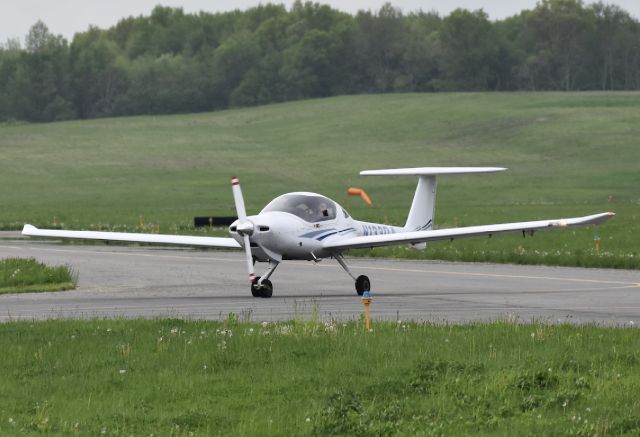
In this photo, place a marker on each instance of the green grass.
(20, 275)
(173, 377)
(569, 154)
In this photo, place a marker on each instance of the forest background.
(174, 62)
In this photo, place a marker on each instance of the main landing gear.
(362, 282)
(261, 286)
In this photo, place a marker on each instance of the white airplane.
(309, 226)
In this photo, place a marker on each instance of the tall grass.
(175, 377)
(19, 275)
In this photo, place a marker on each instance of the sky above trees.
(66, 17)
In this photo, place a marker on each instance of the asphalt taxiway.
(117, 281)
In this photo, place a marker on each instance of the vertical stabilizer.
(423, 207)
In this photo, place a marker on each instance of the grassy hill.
(567, 153)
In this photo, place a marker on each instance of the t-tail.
(423, 208)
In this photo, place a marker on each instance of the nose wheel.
(262, 286)
(264, 289)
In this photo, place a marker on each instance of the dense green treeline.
(171, 62)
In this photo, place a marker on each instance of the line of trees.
(171, 62)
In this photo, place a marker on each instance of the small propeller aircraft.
(309, 226)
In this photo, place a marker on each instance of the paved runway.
(158, 282)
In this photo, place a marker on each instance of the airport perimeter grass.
(174, 377)
(20, 275)
(568, 154)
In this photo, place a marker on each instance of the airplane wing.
(183, 240)
(465, 232)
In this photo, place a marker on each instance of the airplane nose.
(245, 228)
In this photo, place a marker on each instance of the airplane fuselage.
(300, 234)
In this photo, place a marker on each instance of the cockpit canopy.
(311, 208)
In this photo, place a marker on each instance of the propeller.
(244, 227)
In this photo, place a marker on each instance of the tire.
(362, 284)
(255, 290)
(266, 289)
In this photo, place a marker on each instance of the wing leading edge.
(465, 232)
(183, 240)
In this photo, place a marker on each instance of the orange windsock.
(359, 192)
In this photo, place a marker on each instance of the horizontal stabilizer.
(430, 171)
(182, 240)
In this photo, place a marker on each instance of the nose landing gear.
(261, 286)
(264, 289)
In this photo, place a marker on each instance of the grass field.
(19, 275)
(568, 154)
(173, 377)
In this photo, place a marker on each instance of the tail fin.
(423, 207)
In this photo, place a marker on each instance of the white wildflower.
(265, 324)
(308, 419)
(123, 371)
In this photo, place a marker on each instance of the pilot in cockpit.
(324, 211)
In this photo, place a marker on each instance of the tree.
(557, 34)
(231, 62)
(98, 73)
(379, 47)
(167, 84)
(616, 38)
(43, 77)
(470, 52)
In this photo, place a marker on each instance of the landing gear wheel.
(255, 289)
(266, 288)
(362, 284)
(263, 290)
